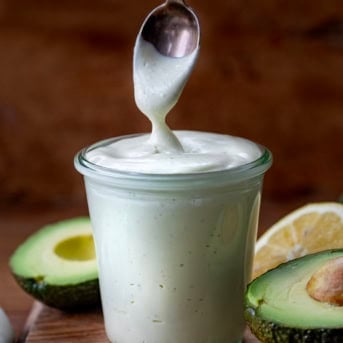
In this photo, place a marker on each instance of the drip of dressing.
(158, 83)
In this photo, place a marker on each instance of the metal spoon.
(172, 28)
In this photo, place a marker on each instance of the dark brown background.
(269, 70)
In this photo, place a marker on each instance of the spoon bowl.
(173, 29)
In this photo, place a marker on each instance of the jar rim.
(108, 175)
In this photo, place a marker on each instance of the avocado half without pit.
(57, 265)
(299, 301)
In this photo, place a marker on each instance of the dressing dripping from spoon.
(165, 52)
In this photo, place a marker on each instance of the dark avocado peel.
(279, 307)
(57, 265)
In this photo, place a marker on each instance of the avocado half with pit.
(57, 265)
(299, 301)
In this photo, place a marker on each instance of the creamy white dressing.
(171, 263)
(202, 152)
(158, 83)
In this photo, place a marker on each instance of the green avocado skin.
(84, 295)
(271, 332)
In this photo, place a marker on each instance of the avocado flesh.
(57, 265)
(279, 309)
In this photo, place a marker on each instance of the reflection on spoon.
(173, 29)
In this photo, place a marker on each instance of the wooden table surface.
(17, 224)
(55, 326)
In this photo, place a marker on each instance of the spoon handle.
(182, 2)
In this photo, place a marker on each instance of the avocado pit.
(77, 248)
(326, 284)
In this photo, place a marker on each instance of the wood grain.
(55, 326)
